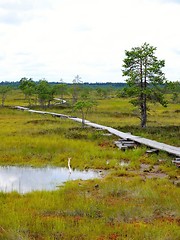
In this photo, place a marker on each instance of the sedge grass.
(122, 205)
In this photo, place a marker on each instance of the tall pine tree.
(145, 78)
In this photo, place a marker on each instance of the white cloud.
(24, 5)
(60, 39)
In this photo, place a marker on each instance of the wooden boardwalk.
(150, 143)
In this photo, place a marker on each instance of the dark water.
(27, 179)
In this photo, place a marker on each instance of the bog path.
(128, 136)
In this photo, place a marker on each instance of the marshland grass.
(125, 204)
(32, 139)
(163, 123)
(119, 208)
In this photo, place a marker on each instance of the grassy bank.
(120, 208)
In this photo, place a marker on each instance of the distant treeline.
(168, 86)
(91, 85)
(107, 84)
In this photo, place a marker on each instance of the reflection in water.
(27, 179)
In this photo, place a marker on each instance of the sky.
(59, 39)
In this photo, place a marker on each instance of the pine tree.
(145, 78)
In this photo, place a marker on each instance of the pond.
(27, 179)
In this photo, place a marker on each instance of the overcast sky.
(56, 39)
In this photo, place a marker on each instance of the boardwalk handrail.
(145, 141)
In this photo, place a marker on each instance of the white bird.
(69, 165)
